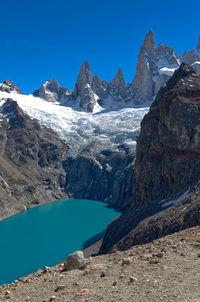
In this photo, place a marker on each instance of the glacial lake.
(45, 235)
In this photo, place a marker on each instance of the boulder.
(75, 260)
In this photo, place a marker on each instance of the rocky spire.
(118, 80)
(198, 45)
(149, 44)
(85, 77)
(185, 53)
(52, 85)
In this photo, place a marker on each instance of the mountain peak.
(198, 45)
(119, 79)
(55, 81)
(85, 77)
(149, 43)
(85, 67)
(8, 86)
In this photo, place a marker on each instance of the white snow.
(175, 201)
(87, 85)
(196, 62)
(167, 71)
(102, 129)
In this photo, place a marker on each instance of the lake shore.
(166, 269)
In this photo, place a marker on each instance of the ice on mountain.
(168, 71)
(79, 128)
(165, 204)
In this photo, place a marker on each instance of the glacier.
(100, 130)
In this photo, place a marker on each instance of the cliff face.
(167, 167)
(31, 159)
(169, 142)
(107, 176)
(155, 66)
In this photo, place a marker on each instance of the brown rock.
(82, 292)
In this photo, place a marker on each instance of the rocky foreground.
(167, 269)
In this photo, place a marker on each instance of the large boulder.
(75, 260)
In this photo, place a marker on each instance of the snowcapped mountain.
(52, 92)
(100, 121)
(92, 94)
(100, 146)
(99, 113)
(156, 64)
(80, 129)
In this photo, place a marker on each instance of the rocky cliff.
(31, 159)
(106, 176)
(167, 167)
(154, 67)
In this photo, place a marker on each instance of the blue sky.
(45, 39)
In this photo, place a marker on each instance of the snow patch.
(165, 204)
(167, 71)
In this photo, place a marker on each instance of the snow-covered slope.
(101, 130)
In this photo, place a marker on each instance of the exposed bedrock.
(167, 164)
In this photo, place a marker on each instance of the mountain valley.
(135, 146)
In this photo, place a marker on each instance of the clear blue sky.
(51, 38)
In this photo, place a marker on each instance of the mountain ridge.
(156, 64)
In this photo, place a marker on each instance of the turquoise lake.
(46, 234)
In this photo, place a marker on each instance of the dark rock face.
(107, 176)
(167, 164)
(8, 86)
(31, 159)
(157, 224)
(169, 142)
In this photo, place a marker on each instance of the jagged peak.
(85, 71)
(51, 82)
(85, 77)
(8, 86)
(149, 43)
(8, 82)
(55, 81)
(51, 85)
(119, 79)
(85, 67)
(198, 45)
(185, 53)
